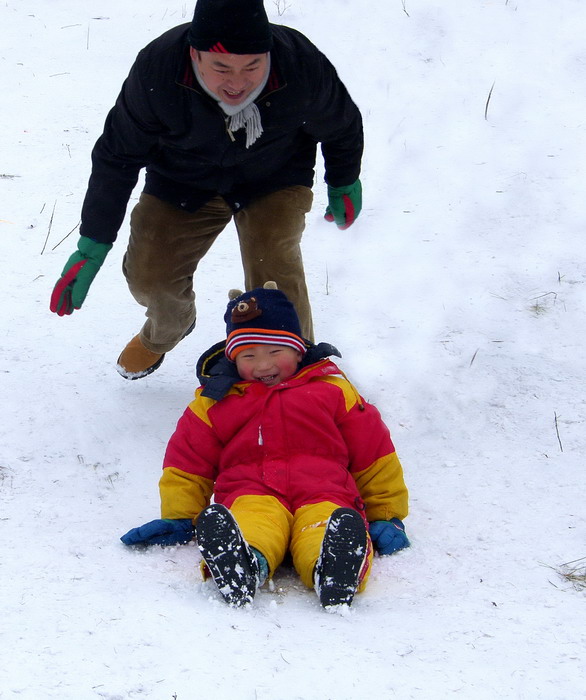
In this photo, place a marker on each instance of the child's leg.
(265, 524)
(309, 527)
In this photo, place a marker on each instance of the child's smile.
(268, 364)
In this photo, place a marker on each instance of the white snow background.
(457, 300)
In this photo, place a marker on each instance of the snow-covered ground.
(457, 299)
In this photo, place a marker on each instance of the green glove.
(345, 203)
(72, 287)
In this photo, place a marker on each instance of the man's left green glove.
(71, 289)
(345, 203)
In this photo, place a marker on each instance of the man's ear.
(194, 53)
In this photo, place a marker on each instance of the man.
(225, 114)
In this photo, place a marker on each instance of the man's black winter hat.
(230, 26)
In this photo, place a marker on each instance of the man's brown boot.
(136, 361)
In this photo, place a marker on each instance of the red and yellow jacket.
(311, 438)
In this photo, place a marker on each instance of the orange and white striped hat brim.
(244, 338)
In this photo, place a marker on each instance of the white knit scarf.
(244, 115)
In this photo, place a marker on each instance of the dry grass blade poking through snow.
(574, 572)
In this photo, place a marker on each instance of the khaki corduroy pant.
(166, 245)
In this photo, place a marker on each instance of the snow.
(457, 299)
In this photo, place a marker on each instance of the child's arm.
(383, 488)
(373, 462)
(190, 463)
(187, 482)
(379, 476)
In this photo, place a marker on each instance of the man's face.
(231, 77)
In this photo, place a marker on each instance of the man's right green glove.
(71, 289)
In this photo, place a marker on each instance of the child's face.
(269, 364)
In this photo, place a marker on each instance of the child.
(295, 459)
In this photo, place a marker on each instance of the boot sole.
(227, 556)
(341, 559)
(142, 373)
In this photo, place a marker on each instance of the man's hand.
(71, 289)
(164, 532)
(345, 204)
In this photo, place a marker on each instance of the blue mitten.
(388, 536)
(164, 532)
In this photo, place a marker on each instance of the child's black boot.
(342, 556)
(228, 557)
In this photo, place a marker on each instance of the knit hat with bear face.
(230, 26)
(263, 316)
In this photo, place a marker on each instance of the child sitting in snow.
(295, 459)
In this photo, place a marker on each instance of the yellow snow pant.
(269, 527)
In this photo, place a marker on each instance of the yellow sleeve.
(383, 489)
(183, 495)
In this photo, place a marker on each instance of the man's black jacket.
(164, 122)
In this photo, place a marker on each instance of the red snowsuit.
(282, 459)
